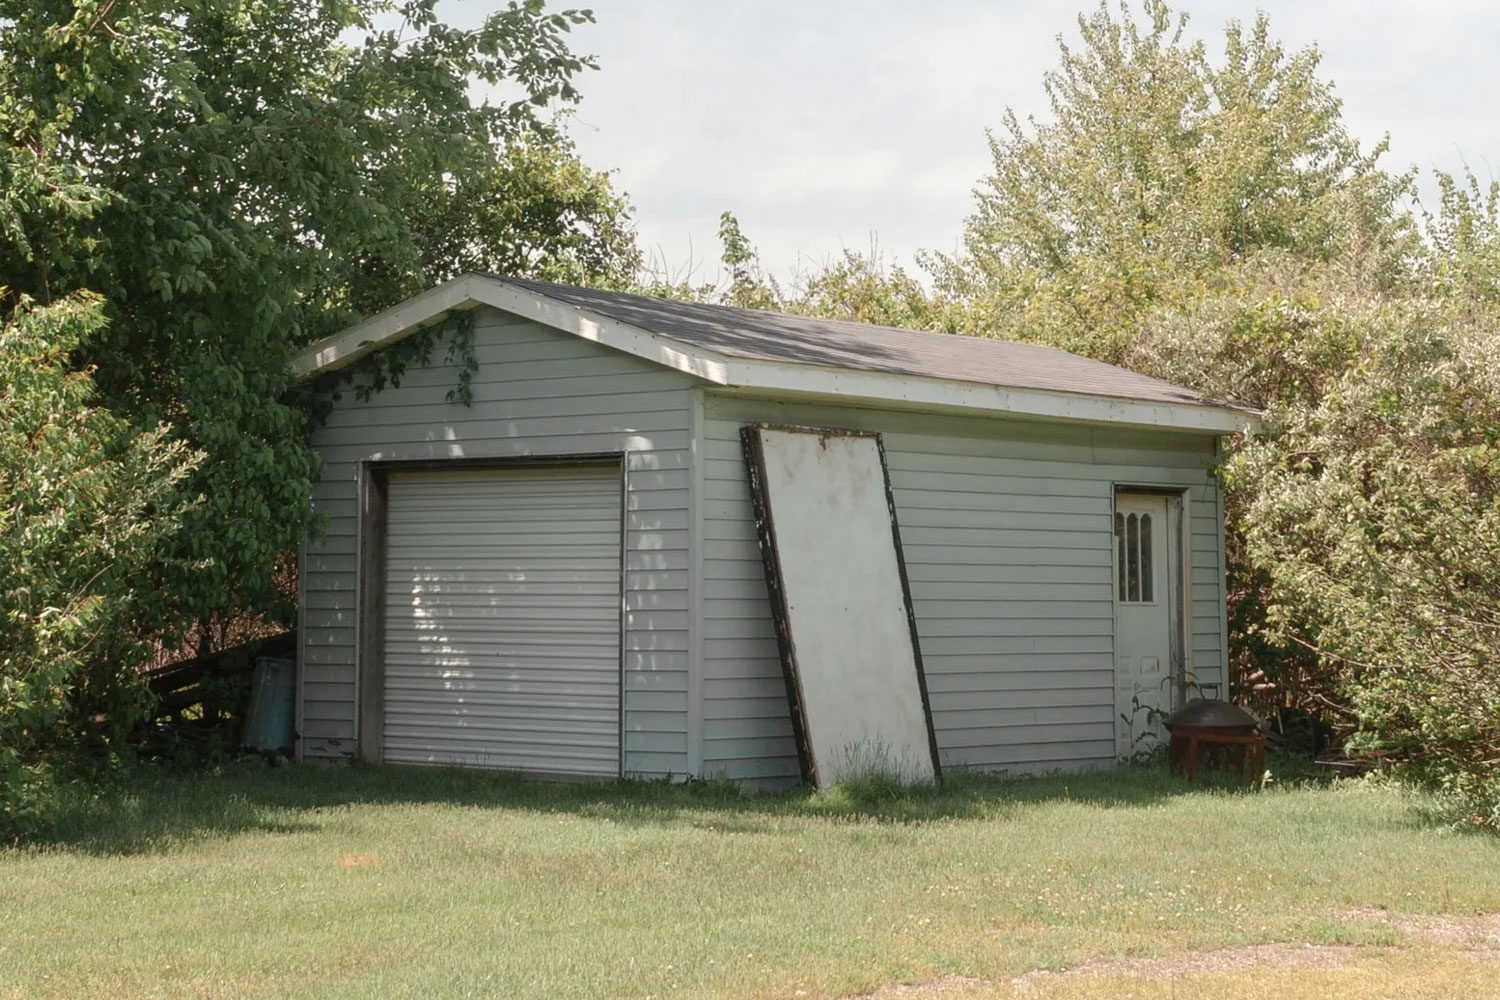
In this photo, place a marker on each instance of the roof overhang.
(760, 376)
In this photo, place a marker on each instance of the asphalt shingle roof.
(766, 336)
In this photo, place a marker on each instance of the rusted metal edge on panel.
(820, 431)
(765, 533)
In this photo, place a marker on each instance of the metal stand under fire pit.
(1214, 733)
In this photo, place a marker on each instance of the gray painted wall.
(1006, 525)
(1008, 539)
(536, 392)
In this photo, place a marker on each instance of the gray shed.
(563, 577)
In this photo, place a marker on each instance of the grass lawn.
(372, 881)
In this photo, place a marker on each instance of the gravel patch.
(1477, 932)
(1477, 935)
(937, 988)
(1192, 963)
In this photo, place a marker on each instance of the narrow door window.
(1133, 572)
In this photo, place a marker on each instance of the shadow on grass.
(150, 809)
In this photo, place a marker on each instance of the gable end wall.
(537, 392)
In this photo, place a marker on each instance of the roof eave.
(948, 395)
(384, 328)
(471, 290)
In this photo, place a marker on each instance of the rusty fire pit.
(1215, 733)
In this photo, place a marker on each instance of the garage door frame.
(369, 630)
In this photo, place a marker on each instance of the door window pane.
(1135, 565)
(1146, 558)
(1120, 551)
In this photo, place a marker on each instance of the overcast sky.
(826, 124)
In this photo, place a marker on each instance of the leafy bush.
(1370, 506)
(87, 504)
(1376, 511)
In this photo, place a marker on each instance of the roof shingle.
(766, 336)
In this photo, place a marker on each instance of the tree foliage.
(539, 212)
(88, 504)
(1158, 166)
(239, 177)
(1461, 261)
(1374, 508)
(857, 287)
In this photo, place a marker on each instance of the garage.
(502, 618)
(562, 571)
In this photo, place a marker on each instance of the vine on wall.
(385, 368)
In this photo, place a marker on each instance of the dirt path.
(1440, 956)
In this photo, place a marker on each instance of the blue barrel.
(269, 723)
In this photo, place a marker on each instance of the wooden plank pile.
(203, 700)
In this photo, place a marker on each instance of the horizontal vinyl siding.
(537, 392)
(1208, 632)
(1007, 536)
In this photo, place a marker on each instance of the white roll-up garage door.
(502, 634)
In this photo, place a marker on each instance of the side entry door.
(1143, 622)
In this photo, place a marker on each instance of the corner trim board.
(371, 640)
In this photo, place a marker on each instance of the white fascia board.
(918, 392)
(472, 290)
(348, 346)
(664, 351)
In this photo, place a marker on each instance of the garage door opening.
(500, 619)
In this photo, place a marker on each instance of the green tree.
(861, 288)
(88, 504)
(855, 286)
(1159, 167)
(749, 287)
(540, 212)
(1462, 259)
(1374, 510)
(236, 178)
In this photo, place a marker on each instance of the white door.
(1143, 622)
(502, 628)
